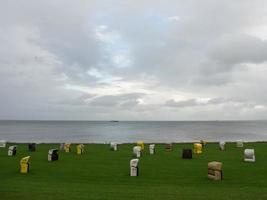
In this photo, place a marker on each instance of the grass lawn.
(104, 174)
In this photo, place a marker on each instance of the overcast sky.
(133, 60)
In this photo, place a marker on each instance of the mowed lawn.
(103, 174)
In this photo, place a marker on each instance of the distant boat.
(114, 121)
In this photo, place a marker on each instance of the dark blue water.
(125, 131)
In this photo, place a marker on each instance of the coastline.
(129, 132)
(128, 143)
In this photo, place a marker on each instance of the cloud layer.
(155, 60)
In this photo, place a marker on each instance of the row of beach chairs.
(214, 167)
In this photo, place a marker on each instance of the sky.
(133, 60)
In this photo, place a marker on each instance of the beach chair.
(52, 155)
(141, 144)
(134, 169)
(168, 147)
(137, 151)
(80, 149)
(32, 147)
(215, 170)
(222, 146)
(152, 149)
(187, 154)
(197, 148)
(3, 144)
(67, 147)
(25, 165)
(12, 150)
(239, 144)
(61, 146)
(249, 155)
(113, 146)
(203, 143)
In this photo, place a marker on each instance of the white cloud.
(121, 60)
(95, 73)
(174, 18)
(102, 77)
(259, 31)
(260, 107)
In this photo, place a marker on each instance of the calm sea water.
(131, 131)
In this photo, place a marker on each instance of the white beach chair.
(113, 146)
(249, 155)
(152, 149)
(2, 143)
(239, 143)
(134, 167)
(137, 151)
(222, 145)
(12, 150)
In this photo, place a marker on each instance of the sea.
(131, 131)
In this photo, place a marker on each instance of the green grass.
(104, 174)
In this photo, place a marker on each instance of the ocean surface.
(131, 131)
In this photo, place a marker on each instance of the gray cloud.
(123, 100)
(80, 100)
(209, 102)
(236, 49)
(66, 58)
(185, 103)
